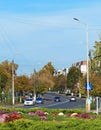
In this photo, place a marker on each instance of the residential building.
(82, 65)
(60, 72)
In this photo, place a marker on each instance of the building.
(60, 72)
(82, 65)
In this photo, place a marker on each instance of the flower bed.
(48, 119)
(39, 114)
(9, 117)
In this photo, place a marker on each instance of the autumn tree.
(96, 58)
(94, 70)
(22, 84)
(6, 75)
(43, 80)
(49, 67)
(73, 77)
(8, 67)
(96, 82)
(3, 80)
(60, 83)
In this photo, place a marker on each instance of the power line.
(10, 44)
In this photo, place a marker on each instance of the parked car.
(57, 99)
(28, 102)
(72, 99)
(39, 100)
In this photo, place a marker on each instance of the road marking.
(54, 104)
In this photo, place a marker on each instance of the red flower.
(12, 117)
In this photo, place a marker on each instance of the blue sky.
(35, 32)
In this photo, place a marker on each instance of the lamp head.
(76, 19)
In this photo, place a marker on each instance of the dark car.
(39, 100)
(57, 99)
(72, 99)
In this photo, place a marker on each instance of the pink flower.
(79, 115)
(3, 117)
(31, 114)
(86, 115)
(43, 117)
(40, 113)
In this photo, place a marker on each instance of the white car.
(28, 102)
(72, 99)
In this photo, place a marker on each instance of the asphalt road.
(63, 104)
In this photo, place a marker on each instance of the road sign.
(88, 86)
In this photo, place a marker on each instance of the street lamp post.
(87, 55)
(34, 84)
(13, 100)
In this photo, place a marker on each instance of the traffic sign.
(88, 86)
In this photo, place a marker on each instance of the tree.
(49, 67)
(60, 83)
(96, 82)
(6, 75)
(8, 67)
(73, 77)
(22, 83)
(96, 60)
(43, 80)
(94, 70)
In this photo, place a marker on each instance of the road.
(65, 103)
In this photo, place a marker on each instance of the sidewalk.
(12, 106)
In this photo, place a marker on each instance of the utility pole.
(87, 49)
(13, 75)
(34, 84)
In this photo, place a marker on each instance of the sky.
(35, 32)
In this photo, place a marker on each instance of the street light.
(13, 75)
(87, 54)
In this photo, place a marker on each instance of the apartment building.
(82, 65)
(60, 72)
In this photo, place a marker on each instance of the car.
(57, 99)
(28, 102)
(39, 100)
(72, 99)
